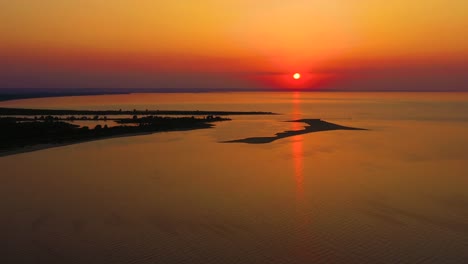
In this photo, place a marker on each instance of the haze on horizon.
(334, 44)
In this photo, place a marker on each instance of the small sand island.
(25, 130)
(313, 125)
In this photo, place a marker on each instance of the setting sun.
(324, 131)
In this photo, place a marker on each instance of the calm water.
(393, 194)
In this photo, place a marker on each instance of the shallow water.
(393, 194)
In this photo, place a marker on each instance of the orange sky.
(339, 44)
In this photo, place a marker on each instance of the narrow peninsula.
(25, 130)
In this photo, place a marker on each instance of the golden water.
(393, 194)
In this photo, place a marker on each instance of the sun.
(297, 76)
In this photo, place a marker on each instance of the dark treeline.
(17, 133)
(158, 120)
(54, 112)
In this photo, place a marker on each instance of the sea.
(393, 193)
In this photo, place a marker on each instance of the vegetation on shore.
(20, 132)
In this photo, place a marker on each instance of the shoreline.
(23, 135)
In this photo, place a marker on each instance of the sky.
(235, 44)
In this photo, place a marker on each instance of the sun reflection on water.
(297, 148)
(302, 219)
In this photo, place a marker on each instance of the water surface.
(393, 194)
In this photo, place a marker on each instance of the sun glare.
(297, 76)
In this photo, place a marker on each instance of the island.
(313, 125)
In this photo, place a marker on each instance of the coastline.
(38, 147)
(10, 94)
(51, 129)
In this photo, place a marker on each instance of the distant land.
(26, 93)
(58, 112)
(7, 94)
